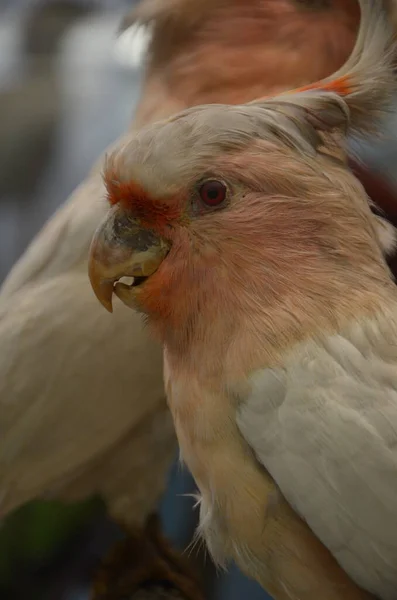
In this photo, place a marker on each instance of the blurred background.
(68, 87)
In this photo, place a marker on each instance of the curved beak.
(121, 247)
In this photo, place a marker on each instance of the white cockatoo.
(257, 264)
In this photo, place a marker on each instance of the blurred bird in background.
(81, 392)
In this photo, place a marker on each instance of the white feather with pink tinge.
(325, 426)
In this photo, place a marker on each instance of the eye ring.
(212, 193)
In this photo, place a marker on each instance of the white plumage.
(74, 420)
(325, 427)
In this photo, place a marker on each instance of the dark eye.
(212, 192)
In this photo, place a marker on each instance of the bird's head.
(232, 209)
(250, 210)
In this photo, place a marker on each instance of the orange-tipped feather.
(366, 82)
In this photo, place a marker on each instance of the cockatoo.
(82, 399)
(257, 264)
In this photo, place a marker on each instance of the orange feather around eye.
(125, 192)
(150, 211)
